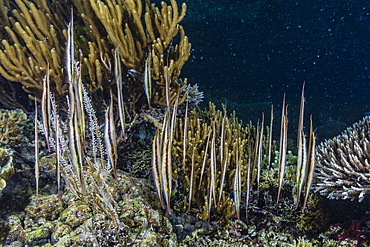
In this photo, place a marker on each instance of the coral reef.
(342, 170)
(217, 177)
(13, 134)
(12, 127)
(6, 167)
(50, 222)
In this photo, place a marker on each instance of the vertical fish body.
(283, 146)
(204, 161)
(185, 135)
(164, 166)
(162, 157)
(270, 135)
(248, 186)
(259, 153)
(70, 51)
(237, 188)
(302, 172)
(191, 180)
(311, 163)
(156, 161)
(37, 166)
(110, 138)
(301, 150)
(223, 155)
(74, 116)
(148, 80)
(212, 186)
(45, 106)
(118, 74)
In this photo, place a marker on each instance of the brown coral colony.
(34, 42)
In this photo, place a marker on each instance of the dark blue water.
(258, 55)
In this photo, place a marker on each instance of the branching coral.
(343, 164)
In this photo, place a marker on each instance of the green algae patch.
(39, 233)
